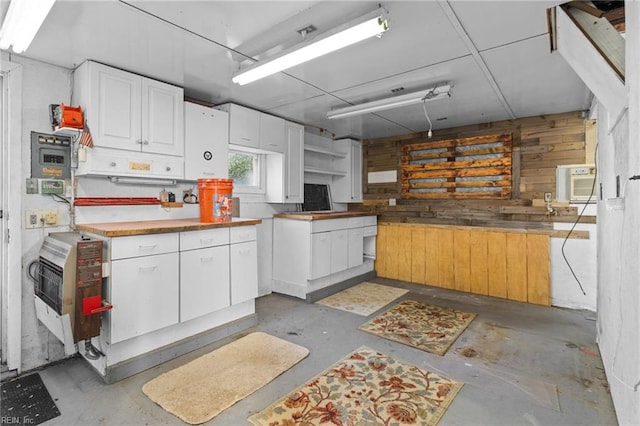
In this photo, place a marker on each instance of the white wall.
(619, 238)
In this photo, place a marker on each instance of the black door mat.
(26, 401)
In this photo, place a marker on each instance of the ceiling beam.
(457, 25)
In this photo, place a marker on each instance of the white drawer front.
(143, 245)
(206, 238)
(356, 222)
(240, 234)
(370, 231)
(369, 220)
(325, 225)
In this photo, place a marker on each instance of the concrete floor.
(521, 365)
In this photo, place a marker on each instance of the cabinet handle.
(206, 259)
(244, 251)
(147, 268)
(273, 144)
(207, 241)
(139, 141)
(208, 173)
(246, 139)
(151, 247)
(168, 168)
(145, 142)
(113, 164)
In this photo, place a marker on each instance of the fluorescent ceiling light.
(22, 22)
(141, 181)
(372, 24)
(441, 91)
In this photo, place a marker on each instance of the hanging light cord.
(424, 107)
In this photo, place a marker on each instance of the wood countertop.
(144, 227)
(320, 215)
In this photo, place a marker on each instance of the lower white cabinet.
(144, 293)
(204, 281)
(311, 254)
(244, 271)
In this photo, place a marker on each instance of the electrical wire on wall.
(564, 256)
(424, 107)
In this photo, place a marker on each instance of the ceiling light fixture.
(369, 25)
(440, 91)
(141, 181)
(22, 22)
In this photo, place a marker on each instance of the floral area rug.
(365, 388)
(364, 298)
(430, 328)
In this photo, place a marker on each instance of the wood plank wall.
(539, 145)
(516, 267)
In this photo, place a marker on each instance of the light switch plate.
(32, 186)
(547, 197)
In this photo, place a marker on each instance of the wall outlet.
(547, 197)
(392, 201)
(40, 218)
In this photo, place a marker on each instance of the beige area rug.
(200, 390)
(364, 298)
(365, 388)
(427, 327)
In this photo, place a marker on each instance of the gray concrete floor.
(521, 365)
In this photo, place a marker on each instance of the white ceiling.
(494, 54)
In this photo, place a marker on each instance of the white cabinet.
(312, 254)
(284, 171)
(204, 272)
(244, 125)
(272, 133)
(206, 142)
(347, 188)
(144, 285)
(244, 264)
(130, 112)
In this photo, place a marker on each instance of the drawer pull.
(113, 164)
(149, 247)
(147, 268)
(206, 259)
(244, 252)
(207, 241)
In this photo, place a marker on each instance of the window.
(247, 171)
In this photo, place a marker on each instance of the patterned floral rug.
(364, 298)
(365, 388)
(430, 328)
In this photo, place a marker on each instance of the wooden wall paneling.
(538, 274)
(446, 258)
(405, 253)
(462, 270)
(591, 137)
(380, 264)
(478, 262)
(418, 254)
(392, 252)
(431, 255)
(497, 264)
(516, 256)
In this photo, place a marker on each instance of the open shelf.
(324, 151)
(324, 171)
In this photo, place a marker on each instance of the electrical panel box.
(50, 156)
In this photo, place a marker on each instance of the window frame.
(259, 189)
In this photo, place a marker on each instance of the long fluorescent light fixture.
(369, 25)
(22, 22)
(142, 181)
(439, 92)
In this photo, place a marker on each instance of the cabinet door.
(206, 147)
(162, 118)
(356, 172)
(144, 294)
(339, 250)
(204, 281)
(244, 126)
(272, 134)
(320, 255)
(294, 162)
(356, 247)
(244, 271)
(116, 99)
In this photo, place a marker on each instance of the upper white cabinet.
(206, 135)
(284, 171)
(254, 129)
(347, 188)
(130, 112)
(272, 133)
